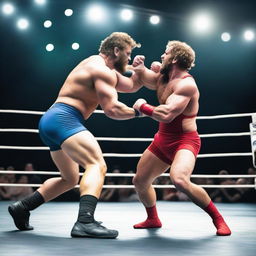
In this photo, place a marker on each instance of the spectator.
(32, 178)
(11, 176)
(238, 195)
(127, 194)
(251, 171)
(15, 193)
(4, 190)
(171, 194)
(110, 194)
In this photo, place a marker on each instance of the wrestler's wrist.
(147, 109)
(137, 113)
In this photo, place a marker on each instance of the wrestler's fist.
(138, 104)
(138, 63)
(155, 66)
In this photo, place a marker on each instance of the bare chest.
(163, 92)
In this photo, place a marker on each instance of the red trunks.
(170, 138)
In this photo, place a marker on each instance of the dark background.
(225, 73)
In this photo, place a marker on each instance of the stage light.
(22, 24)
(40, 2)
(225, 37)
(7, 9)
(96, 13)
(47, 24)
(154, 19)
(126, 14)
(68, 12)
(248, 35)
(49, 47)
(75, 46)
(202, 22)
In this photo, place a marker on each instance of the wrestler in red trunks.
(170, 138)
(177, 143)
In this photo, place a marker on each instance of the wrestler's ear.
(174, 61)
(116, 51)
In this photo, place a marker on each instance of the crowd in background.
(234, 194)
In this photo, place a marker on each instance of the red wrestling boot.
(152, 220)
(218, 221)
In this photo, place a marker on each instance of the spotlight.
(248, 35)
(96, 13)
(68, 12)
(126, 14)
(225, 37)
(49, 47)
(7, 9)
(154, 19)
(47, 24)
(40, 2)
(202, 22)
(22, 24)
(75, 46)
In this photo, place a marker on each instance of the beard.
(165, 70)
(120, 65)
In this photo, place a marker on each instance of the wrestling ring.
(186, 228)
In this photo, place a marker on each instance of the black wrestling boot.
(93, 230)
(20, 216)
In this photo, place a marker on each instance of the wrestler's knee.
(100, 167)
(181, 182)
(72, 180)
(139, 182)
(103, 168)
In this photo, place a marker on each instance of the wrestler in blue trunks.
(59, 123)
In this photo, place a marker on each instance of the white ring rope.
(29, 112)
(133, 174)
(102, 112)
(132, 186)
(133, 155)
(135, 139)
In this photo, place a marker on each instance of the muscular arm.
(175, 103)
(148, 78)
(108, 98)
(128, 84)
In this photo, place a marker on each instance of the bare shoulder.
(186, 86)
(100, 71)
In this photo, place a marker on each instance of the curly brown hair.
(183, 53)
(117, 39)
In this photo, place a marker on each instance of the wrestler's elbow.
(110, 112)
(114, 110)
(165, 119)
(167, 116)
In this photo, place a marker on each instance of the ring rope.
(134, 139)
(133, 155)
(29, 112)
(133, 174)
(101, 112)
(132, 186)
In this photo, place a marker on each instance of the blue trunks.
(59, 123)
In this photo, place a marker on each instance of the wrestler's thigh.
(183, 163)
(150, 166)
(83, 148)
(68, 168)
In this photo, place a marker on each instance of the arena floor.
(186, 230)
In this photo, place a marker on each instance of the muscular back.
(79, 88)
